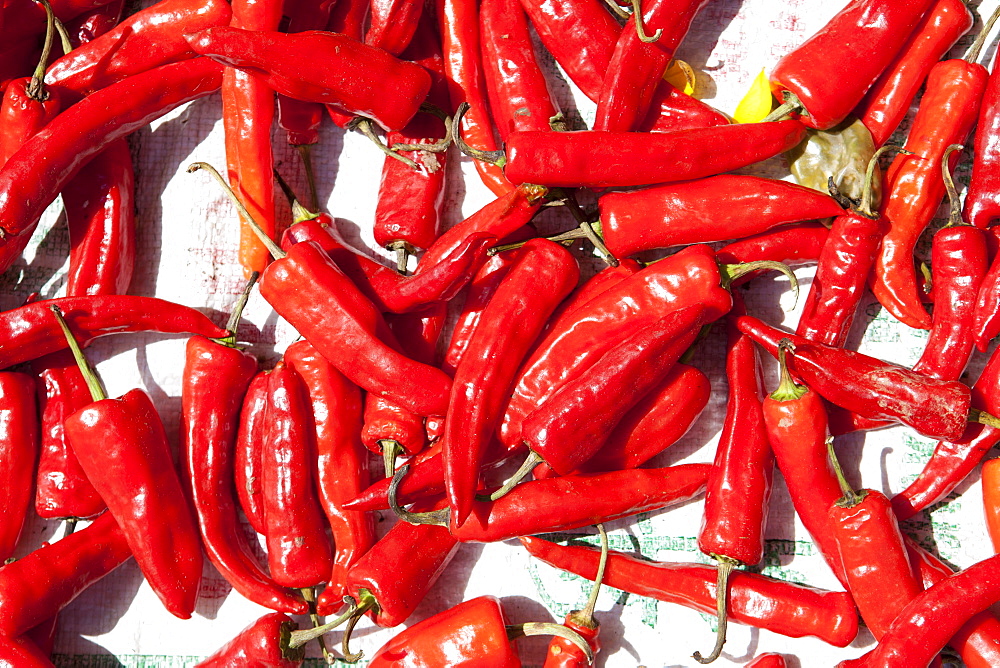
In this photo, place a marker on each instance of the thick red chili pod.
(637, 66)
(347, 18)
(739, 486)
(831, 71)
(215, 380)
(605, 279)
(38, 586)
(982, 201)
(383, 88)
(100, 213)
(791, 245)
(18, 455)
(249, 440)
(978, 641)
(593, 159)
(519, 96)
(542, 276)
(23, 114)
(263, 644)
(888, 100)
(61, 488)
(342, 461)
(711, 209)
(392, 24)
(28, 185)
(147, 39)
(298, 550)
(790, 609)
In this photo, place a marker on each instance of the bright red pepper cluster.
(493, 361)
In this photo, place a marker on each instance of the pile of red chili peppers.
(483, 387)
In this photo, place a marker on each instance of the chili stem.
(439, 146)
(440, 517)
(305, 152)
(496, 157)
(640, 25)
(865, 208)
(788, 389)
(731, 272)
(390, 453)
(36, 87)
(272, 247)
(587, 613)
(533, 459)
(70, 523)
(724, 568)
(97, 391)
(972, 55)
(515, 631)
(954, 205)
(850, 498)
(300, 638)
(310, 597)
(66, 44)
(617, 10)
(790, 104)
(982, 417)
(403, 251)
(364, 126)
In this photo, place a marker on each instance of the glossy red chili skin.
(258, 646)
(564, 654)
(366, 93)
(873, 388)
(100, 213)
(792, 245)
(215, 381)
(18, 455)
(398, 571)
(769, 660)
(576, 420)
(347, 18)
(147, 39)
(471, 635)
(23, 652)
(386, 420)
(958, 265)
(688, 277)
(672, 109)
(321, 302)
(637, 67)
(393, 23)
(543, 275)
(711, 209)
(953, 461)
(832, 70)
(888, 100)
(982, 200)
(914, 186)
(878, 571)
(540, 506)
(299, 554)
(841, 277)
(300, 120)
(739, 487)
(45, 581)
(519, 96)
(588, 158)
(930, 620)
(249, 441)
(605, 279)
(30, 331)
(61, 487)
(28, 185)
(88, 26)
(978, 641)
(790, 609)
(123, 449)
(342, 462)
(23, 116)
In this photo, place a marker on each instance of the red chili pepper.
(88, 26)
(249, 441)
(830, 72)
(29, 332)
(519, 96)
(991, 500)
(978, 641)
(100, 213)
(637, 66)
(36, 587)
(393, 24)
(145, 40)
(18, 455)
(216, 377)
(543, 275)
(23, 652)
(27, 107)
(28, 185)
(914, 186)
(953, 461)
(563, 653)
(263, 644)
(672, 110)
(703, 211)
(791, 245)
(797, 431)
(44, 635)
(342, 462)
(929, 621)
(347, 18)
(769, 660)
(842, 273)
(380, 87)
(459, 24)
(605, 279)
(782, 607)
(873, 388)
(613, 159)
(739, 486)
(888, 100)
(298, 551)
(982, 201)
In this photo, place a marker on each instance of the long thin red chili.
(18, 455)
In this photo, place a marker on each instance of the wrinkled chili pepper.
(509, 325)
(259, 644)
(790, 609)
(18, 455)
(342, 462)
(888, 100)
(249, 440)
(45, 581)
(703, 211)
(830, 72)
(843, 152)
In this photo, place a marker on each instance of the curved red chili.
(393, 23)
(263, 644)
(249, 441)
(18, 455)
(790, 245)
